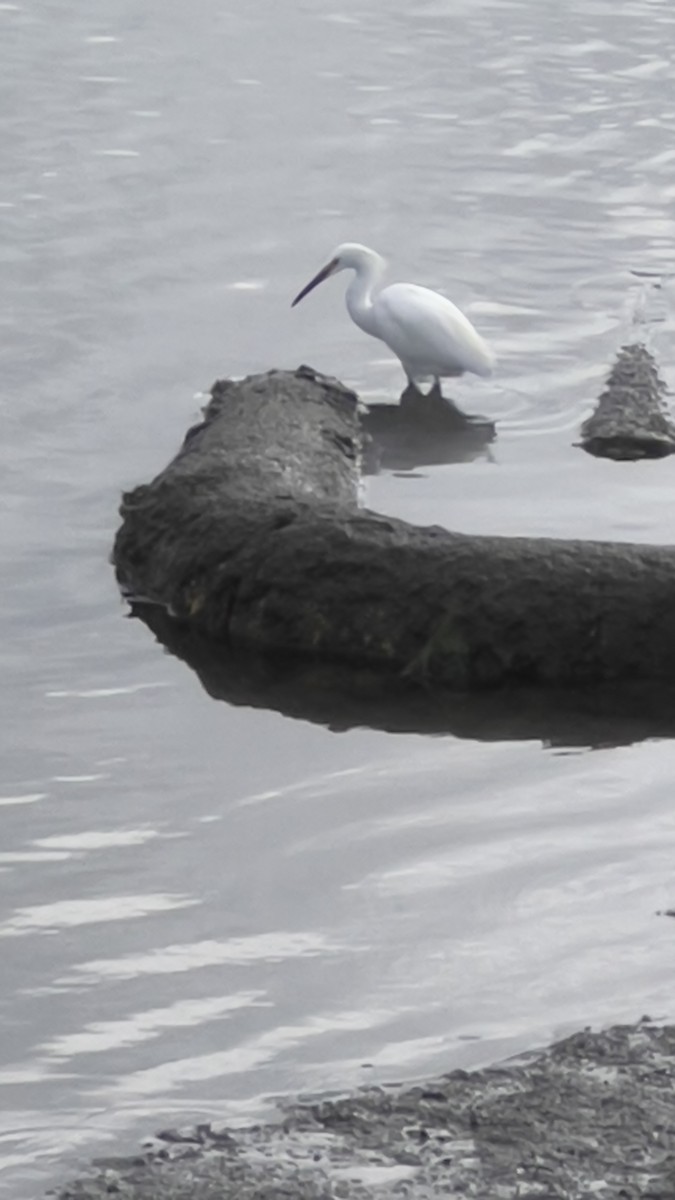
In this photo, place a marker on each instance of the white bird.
(428, 333)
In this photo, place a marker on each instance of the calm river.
(203, 906)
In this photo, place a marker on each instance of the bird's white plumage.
(429, 334)
(426, 331)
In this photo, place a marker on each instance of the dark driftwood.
(590, 1117)
(631, 420)
(253, 535)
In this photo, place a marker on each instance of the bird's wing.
(422, 326)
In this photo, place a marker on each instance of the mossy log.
(631, 420)
(254, 536)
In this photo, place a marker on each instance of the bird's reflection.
(422, 431)
(343, 697)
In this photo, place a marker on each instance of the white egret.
(428, 333)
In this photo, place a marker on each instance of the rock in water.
(631, 420)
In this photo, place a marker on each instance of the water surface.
(204, 906)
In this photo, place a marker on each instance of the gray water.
(204, 906)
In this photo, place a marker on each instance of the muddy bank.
(253, 536)
(592, 1116)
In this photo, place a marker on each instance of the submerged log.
(342, 696)
(631, 420)
(422, 430)
(253, 535)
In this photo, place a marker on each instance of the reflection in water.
(345, 698)
(175, 959)
(66, 913)
(422, 430)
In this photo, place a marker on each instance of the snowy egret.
(428, 333)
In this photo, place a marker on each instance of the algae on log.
(254, 535)
(630, 420)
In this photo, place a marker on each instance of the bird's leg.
(452, 413)
(411, 392)
(411, 396)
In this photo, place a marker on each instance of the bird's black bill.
(323, 274)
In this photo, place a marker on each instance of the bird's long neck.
(359, 295)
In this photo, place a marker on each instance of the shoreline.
(592, 1115)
